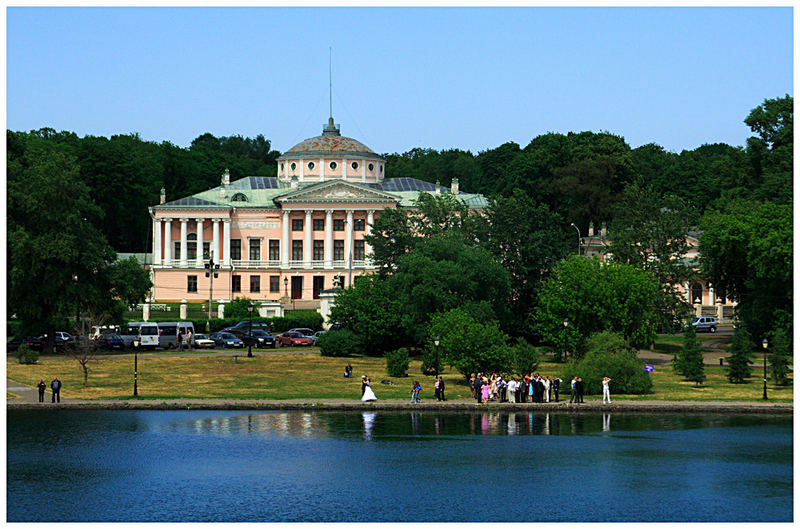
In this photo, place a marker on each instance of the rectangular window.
(319, 250)
(236, 249)
(358, 250)
(358, 224)
(274, 250)
(338, 250)
(177, 253)
(338, 224)
(274, 283)
(255, 249)
(297, 250)
(319, 224)
(255, 283)
(319, 284)
(206, 250)
(191, 283)
(191, 250)
(236, 283)
(297, 224)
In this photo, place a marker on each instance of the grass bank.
(311, 376)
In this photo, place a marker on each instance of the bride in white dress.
(368, 394)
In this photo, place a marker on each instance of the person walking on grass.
(42, 386)
(415, 389)
(606, 390)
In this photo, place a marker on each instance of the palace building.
(291, 236)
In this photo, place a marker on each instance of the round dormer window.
(333, 165)
(371, 167)
(354, 165)
(311, 165)
(293, 166)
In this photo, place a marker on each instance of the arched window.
(293, 166)
(697, 293)
(354, 165)
(370, 167)
(333, 165)
(239, 197)
(311, 165)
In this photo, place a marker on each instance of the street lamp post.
(250, 332)
(765, 345)
(566, 324)
(135, 368)
(579, 237)
(211, 272)
(436, 348)
(286, 286)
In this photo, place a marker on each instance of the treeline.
(125, 174)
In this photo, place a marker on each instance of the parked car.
(705, 323)
(290, 338)
(31, 341)
(62, 340)
(259, 338)
(110, 341)
(262, 325)
(316, 337)
(201, 341)
(305, 331)
(226, 339)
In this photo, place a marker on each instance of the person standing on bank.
(556, 386)
(363, 384)
(573, 396)
(42, 386)
(477, 387)
(606, 391)
(579, 387)
(55, 385)
(441, 388)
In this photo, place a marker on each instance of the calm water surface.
(410, 466)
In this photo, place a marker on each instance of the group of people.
(530, 388)
(55, 385)
(185, 340)
(438, 390)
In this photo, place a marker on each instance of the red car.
(293, 338)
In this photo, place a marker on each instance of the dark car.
(259, 338)
(261, 325)
(110, 341)
(289, 339)
(31, 341)
(226, 339)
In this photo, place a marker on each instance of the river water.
(68, 465)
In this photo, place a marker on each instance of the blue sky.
(469, 78)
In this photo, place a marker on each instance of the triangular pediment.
(337, 191)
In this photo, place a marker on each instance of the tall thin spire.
(330, 82)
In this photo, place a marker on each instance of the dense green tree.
(772, 150)
(523, 358)
(739, 361)
(596, 297)
(649, 232)
(58, 260)
(688, 361)
(529, 240)
(746, 250)
(781, 357)
(467, 344)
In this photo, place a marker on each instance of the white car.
(201, 341)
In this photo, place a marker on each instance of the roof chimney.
(454, 186)
(226, 178)
(163, 196)
(591, 229)
(438, 190)
(293, 183)
(603, 230)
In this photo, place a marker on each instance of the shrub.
(608, 355)
(13, 328)
(27, 355)
(339, 343)
(467, 344)
(397, 363)
(739, 361)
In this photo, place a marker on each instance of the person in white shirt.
(546, 383)
(510, 389)
(606, 391)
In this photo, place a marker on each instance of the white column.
(344, 169)
(321, 170)
(368, 231)
(215, 240)
(226, 242)
(307, 255)
(285, 241)
(711, 300)
(348, 238)
(328, 238)
(199, 259)
(167, 242)
(184, 224)
(156, 241)
(363, 171)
